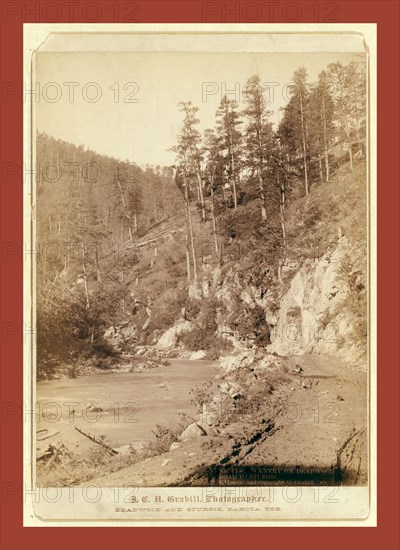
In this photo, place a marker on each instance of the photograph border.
(35, 38)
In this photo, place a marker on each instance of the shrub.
(214, 354)
(242, 223)
(259, 396)
(199, 339)
(203, 335)
(68, 469)
(175, 265)
(167, 310)
(104, 363)
(193, 308)
(250, 322)
(103, 349)
(73, 371)
(313, 216)
(165, 435)
(194, 340)
(355, 280)
(201, 395)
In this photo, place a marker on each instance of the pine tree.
(191, 141)
(228, 122)
(300, 97)
(321, 128)
(214, 172)
(258, 136)
(341, 85)
(355, 85)
(188, 156)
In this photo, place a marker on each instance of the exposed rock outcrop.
(192, 431)
(198, 355)
(316, 312)
(169, 338)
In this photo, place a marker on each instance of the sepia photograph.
(201, 290)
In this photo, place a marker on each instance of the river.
(126, 407)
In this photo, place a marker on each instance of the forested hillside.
(244, 207)
(273, 199)
(90, 208)
(243, 166)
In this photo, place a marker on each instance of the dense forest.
(232, 184)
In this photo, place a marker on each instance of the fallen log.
(44, 454)
(45, 434)
(150, 239)
(98, 441)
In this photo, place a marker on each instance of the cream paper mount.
(308, 456)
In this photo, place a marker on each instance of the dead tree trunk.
(325, 140)
(262, 194)
(281, 186)
(190, 227)
(303, 136)
(321, 177)
(126, 210)
(214, 224)
(96, 255)
(85, 279)
(233, 168)
(188, 258)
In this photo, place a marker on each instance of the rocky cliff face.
(316, 307)
(318, 311)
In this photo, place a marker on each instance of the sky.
(125, 104)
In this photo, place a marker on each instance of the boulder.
(218, 399)
(224, 387)
(133, 448)
(138, 368)
(139, 447)
(109, 333)
(192, 431)
(233, 362)
(125, 450)
(207, 419)
(232, 389)
(168, 339)
(197, 355)
(211, 430)
(175, 445)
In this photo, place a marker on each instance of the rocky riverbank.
(270, 421)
